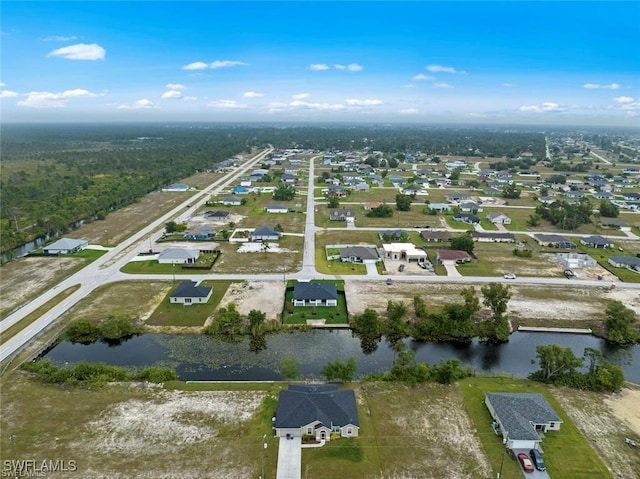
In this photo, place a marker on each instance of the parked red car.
(527, 465)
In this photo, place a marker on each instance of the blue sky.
(543, 62)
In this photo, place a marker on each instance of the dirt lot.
(564, 303)
(25, 278)
(267, 296)
(605, 420)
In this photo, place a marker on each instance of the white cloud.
(300, 96)
(319, 67)
(59, 38)
(623, 99)
(443, 69)
(421, 77)
(175, 86)
(409, 85)
(365, 102)
(507, 85)
(317, 106)
(45, 99)
(8, 94)
(595, 86)
(2, 84)
(190, 98)
(195, 66)
(225, 64)
(227, 104)
(252, 94)
(354, 67)
(543, 108)
(409, 111)
(441, 85)
(171, 94)
(81, 51)
(138, 105)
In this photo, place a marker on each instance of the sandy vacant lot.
(605, 421)
(267, 296)
(564, 303)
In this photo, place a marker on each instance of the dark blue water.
(198, 357)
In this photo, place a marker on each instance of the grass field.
(331, 314)
(169, 314)
(558, 446)
(325, 238)
(153, 267)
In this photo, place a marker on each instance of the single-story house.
(439, 207)
(316, 410)
(453, 255)
(576, 260)
(232, 201)
(613, 223)
(597, 241)
(216, 215)
(342, 214)
(389, 235)
(176, 187)
(241, 190)
(629, 262)
(178, 256)
(65, 246)
(470, 207)
(406, 251)
(557, 241)
(200, 233)
(315, 294)
(498, 218)
(371, 205)
(188, 293)
(546, 200)
(487, 237)
(359, 254)
(521, 418)
(436, 236)
(456, 197)
(288, 178)
(265, 233)
(337, 191)
(603, 195)
(466, 218)
(276, 209)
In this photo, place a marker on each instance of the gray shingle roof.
(516, 412)
(303, 404)
(66, 244)
(359, 252)
(188, 289)
(311, 291)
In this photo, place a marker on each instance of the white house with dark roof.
(265, 233)
(232, 201)
(498, 218)
(276, 209)
(317, 410)
(521, 418)
(188, 293)
(359, 254)
(65, 246)
(597, 241)
(315, 294)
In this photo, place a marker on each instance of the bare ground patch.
(605, 421)
(266, 296)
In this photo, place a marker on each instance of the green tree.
(555, 360)
(227, 322)
(284, 192)
(463, 242)
(395, 327)
(256, 319)
(455, 174)
(368, 323)
(608, 209)
(289, 368)
(381, 211)
(333, 202)
(339, 370)
(510, 191)
(620, 324)
(534, 220)
(420, 307)
(403, 202)
(496, 297)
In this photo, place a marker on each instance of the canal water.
(199, 357)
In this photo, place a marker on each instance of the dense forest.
(52, 176)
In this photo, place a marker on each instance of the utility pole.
(505, 441)
(264, 449)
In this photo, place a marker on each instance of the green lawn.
(332, 314)
(559, 447)
(153, 267)
(171, 314)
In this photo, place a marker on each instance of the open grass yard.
(288, 259)
(202, 179)
(195, 315)
(567, 452)
(322, 217)
(602, 255)
(26, 278)
(137, 430)
(325, 238)
(405, 432)
(153, 267)
(374, 195)
(120, 224)
(300, 314)
(400, 219)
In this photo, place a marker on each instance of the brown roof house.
(453, 256)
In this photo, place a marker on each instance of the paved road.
(106, 268)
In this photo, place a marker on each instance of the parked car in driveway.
(510, 276)
(527, 465)
(569, 274)
(401, 268)
(537, 460)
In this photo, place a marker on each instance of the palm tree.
(265, 247)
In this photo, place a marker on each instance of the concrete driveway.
(530, 475)
(372, 270)
(289, 458)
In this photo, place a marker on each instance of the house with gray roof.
(491, 237)
(554, 240)
(265, 233)
(178, 256)
(316, 410)
(315, 294)
(342, 214)
(629, 262)
(65, 246)
(597, 242)
(498, 218)
(232, 201)
(522, 417)
(359, 254)
(188, 293)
